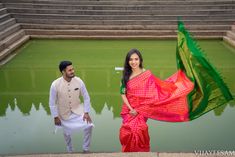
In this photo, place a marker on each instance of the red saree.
(195, 89)
(156, 99)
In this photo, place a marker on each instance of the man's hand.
(87, 118)
(57, 121)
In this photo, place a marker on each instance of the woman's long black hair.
(127, 68)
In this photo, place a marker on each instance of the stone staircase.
(230, 36)
(11, 34)
(112, 19)
(118, 19)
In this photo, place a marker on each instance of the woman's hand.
(133, 112)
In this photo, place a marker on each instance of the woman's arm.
(124, 99)
(132, 111)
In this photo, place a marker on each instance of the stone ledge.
(100, 2)
(6, 24)
(118, 7)
(116, 37)
(231, 35)
(121, 27)
(121, 22)
(4, 17)
(142, 154)
(229, 41)
(7, 51)
(122, 32)
(228, 12)
(8, 31)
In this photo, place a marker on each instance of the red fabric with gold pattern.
(156, 99)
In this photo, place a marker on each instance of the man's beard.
(70, 76)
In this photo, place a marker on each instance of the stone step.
(1, 5)
(122, 22)
(2, 47)
(10, 30)
(207, 12)
(3, 11)
(9, 50)
(144, 2)
(233, 28)
(122, 27)
(229, 41)
(4, 25)
(231, 35)
(116, 37)
(121, 32)
(4, 17)
(11, 39)
(119, 7)
(54, 1)
(122, 17)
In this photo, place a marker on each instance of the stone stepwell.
(230, 36)
(112, 19)
(11, 34)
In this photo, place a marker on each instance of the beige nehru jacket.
(65, 97)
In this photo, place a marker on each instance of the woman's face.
(134, 61)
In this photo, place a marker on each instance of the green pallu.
(209, 91)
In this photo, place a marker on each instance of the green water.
(27, 127)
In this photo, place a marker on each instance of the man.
(66, 107)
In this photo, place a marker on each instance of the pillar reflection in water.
(30, 87)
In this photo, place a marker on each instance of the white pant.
(76, 123)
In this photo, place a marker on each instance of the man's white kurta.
(65, 103)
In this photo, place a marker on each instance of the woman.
(144, 97)
(192, 91)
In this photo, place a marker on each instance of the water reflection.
(25, 83)
(30, 87)
(27, 88)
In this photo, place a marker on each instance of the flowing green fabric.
(210, 91)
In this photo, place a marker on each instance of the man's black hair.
(64, 64)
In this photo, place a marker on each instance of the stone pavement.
(149, 154)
